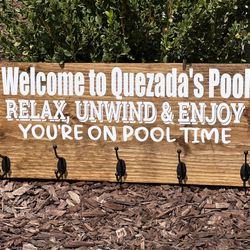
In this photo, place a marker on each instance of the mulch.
(86, 215)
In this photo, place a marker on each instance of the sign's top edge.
(125, 64)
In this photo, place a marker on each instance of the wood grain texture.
(147, 162)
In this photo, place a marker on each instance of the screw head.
(178, 151)
(116, 148)
(55, 146)
(246, 152)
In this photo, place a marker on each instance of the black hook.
(61, 170)
(245, 171)
(181, 170)
(5, 166)
(120, 168)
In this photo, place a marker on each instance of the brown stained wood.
(147, 162)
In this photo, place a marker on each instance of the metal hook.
(245, 171)
(120, 168)
(5, 166)
(181, 170)
(61, 170)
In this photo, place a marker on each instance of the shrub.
(125, 30)
(75, 30)
(207, 31)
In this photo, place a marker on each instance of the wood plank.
(147, 162)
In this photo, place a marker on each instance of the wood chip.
(56, 213)
(79, 244)
(222, 205)
(70, 203)
(75, 197)
(121, 233)
(93, 213)
(88, 227)
(22, 190)
(28, 246)
(113, 206)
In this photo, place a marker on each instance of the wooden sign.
(149, 111)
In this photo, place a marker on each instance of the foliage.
(124, 30)
(207, 31)
(76, 30)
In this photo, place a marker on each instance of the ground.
(84, 215)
